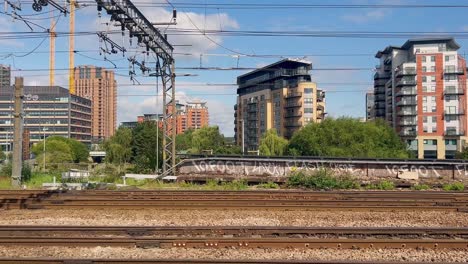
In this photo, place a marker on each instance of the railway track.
(290, 200)
(235, 237)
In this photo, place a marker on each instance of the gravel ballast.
(152, 217)
(460, 256)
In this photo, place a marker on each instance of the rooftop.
(451, 43)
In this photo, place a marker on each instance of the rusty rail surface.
(185, 261)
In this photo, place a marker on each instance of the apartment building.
(48, 111)
(191, 115)
(420, 89)
(370, 108)
(99, 85)
(5, 75)
(279, 96)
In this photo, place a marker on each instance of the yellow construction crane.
(71, 49)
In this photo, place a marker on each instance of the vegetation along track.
(302, 200)
(235, 237)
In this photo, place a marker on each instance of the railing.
(407, 113)
(456, 70)
(294, 94)
(406, 82)
(406, 72)
(408, 133)
(454, 112)
(454, 133)
(407, 102)
(454, 91)
(379, 98)
(406, 92)
(293, 124)
(291, 105)
(293, 114)
(407, 122)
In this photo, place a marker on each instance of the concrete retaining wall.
(275, 169)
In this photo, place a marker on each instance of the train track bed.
(344, 256)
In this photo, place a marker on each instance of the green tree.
(57, 154)
(119, 147)
(272, 145)
(348, 137)
(207, 138)
(145, 138)
(463, 154)
(184, 140)
(78, 151)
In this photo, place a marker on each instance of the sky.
(343, 65)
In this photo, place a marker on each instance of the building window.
(433, 99)
(423, 57)
(433, 69)
(434, 129)
(425, 129)
(424, 79)
(433, 88)
(433, 58)
(434, 109)
(308, 110)
(424, 89)
(424, 69)
(434, 119)
(433, 78)
(308, 90)
(424, 119)
(424, 109)
(424, 99)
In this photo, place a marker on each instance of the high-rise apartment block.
(280, 96)
(196, 113)
(99, 85)
(370, 106)
(5, 75)
(48, 111)
(420, 89)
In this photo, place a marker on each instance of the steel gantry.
(125, 14)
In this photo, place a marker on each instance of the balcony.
(293, 124)
(293, 105)
(379, 83)
(406, 92)
(252, 110)
(292, 114)
(408, 133)
(456, 71)
(406, 72)
(407, 113)
(404, 122)
(252, 118)
(453, 132)
(404, 102)
(454, 112)
(406, 83)
(294, 95)
(379, 98)
(454, 91)
(381, 75)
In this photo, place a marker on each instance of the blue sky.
(345, 89)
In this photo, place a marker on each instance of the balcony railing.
(407, 113)
(406, 72)
(379, 98)
(378, 75)
(407, 123)
(454, 112)
(408, 133)
(457, 70)
(454, 91)
(292, 105)
(292, 114)
(406, 102)
(454, 133)
(294, 95)
(293, 124)
(406, 92)
(406, 83)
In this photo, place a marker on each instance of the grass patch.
(321, 180)
(382, 185)
(268, 185)
(37, 179)
(421, 187)
(5, 183)
(457, 186)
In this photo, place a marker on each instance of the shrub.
(268, 185)
(321, 180)
(421, 187)
(26, 172)
(382, 185)
(457, 186)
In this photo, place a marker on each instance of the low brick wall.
(279, 169)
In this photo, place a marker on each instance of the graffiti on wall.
(284, 168)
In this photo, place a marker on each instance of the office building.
(420, 89)
(48, 111)
(99, 85)
(370, 108)
(5, 75)
(279, 96)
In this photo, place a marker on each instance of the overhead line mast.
(71, 49)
